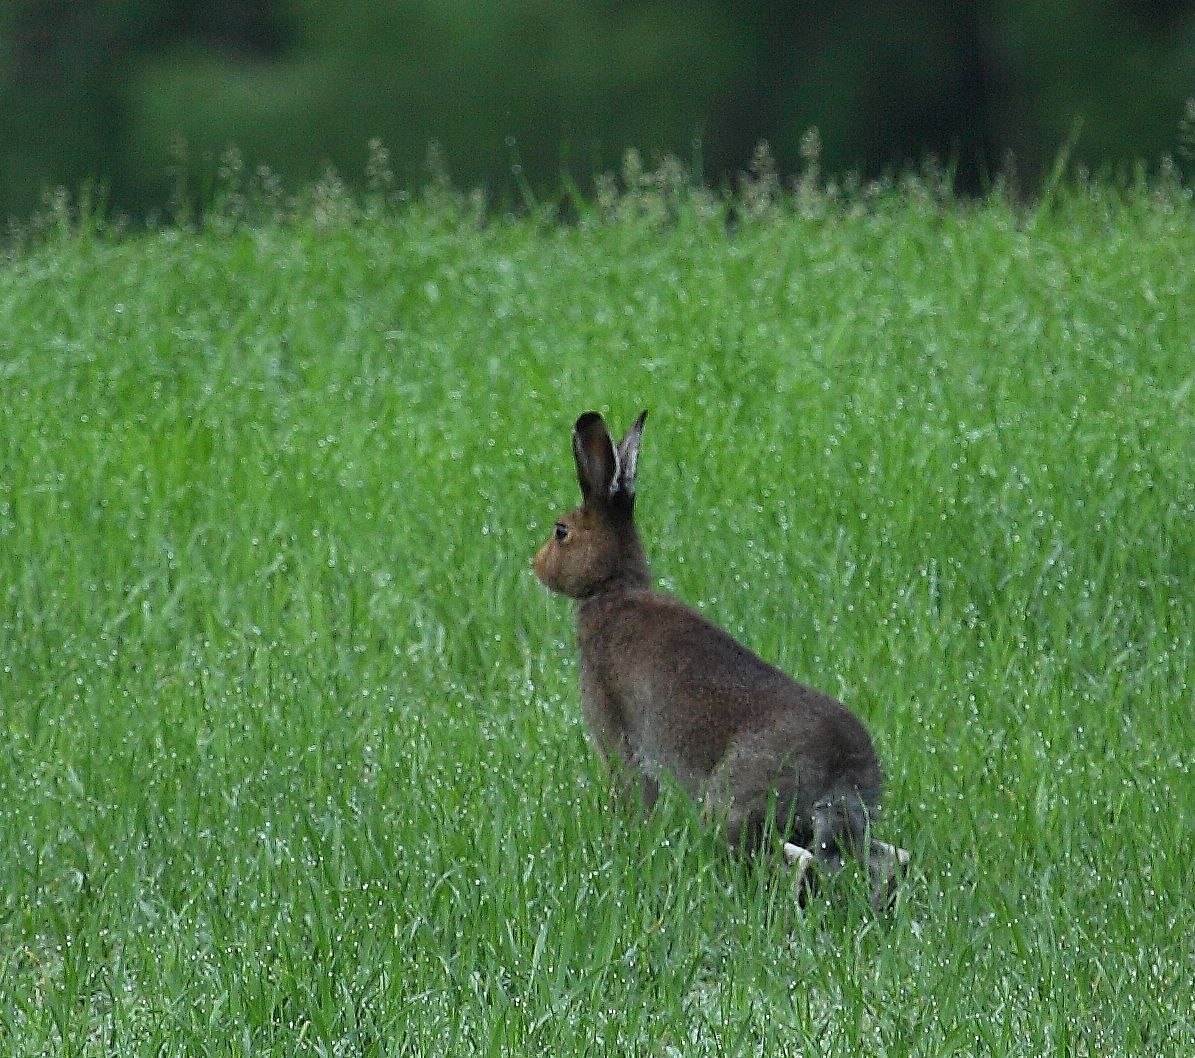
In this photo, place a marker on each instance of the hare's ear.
(597, 461)
(628, 457)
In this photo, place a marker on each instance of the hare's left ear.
(597, 461)
(628, 458)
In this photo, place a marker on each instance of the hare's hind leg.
(886, 866)
(747, 831)
(840, 828)
(752, 810)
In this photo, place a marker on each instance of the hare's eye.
(561, 530)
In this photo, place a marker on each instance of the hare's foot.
(798, 857)
(886, 866)
(801, 860)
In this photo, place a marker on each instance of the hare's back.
(692, 689)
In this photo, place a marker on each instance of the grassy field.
(292, 761)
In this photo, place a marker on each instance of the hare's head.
(596, 547)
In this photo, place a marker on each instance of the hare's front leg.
(603, 720)
(650, 789)
(630, 784)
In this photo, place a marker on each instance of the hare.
(665, 690)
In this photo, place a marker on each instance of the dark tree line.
(123, 92)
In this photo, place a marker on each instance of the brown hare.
(664, 690)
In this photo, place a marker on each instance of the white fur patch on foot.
(797, 856)
(891, 852)
(801, 861)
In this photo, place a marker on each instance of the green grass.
(291, 758)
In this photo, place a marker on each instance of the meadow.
(291, 758)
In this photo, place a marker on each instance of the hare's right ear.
(628, 458)
(597, 460)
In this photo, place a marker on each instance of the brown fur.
(665, 690)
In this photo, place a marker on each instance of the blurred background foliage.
(134, 94)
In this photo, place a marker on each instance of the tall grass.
(292, 761)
